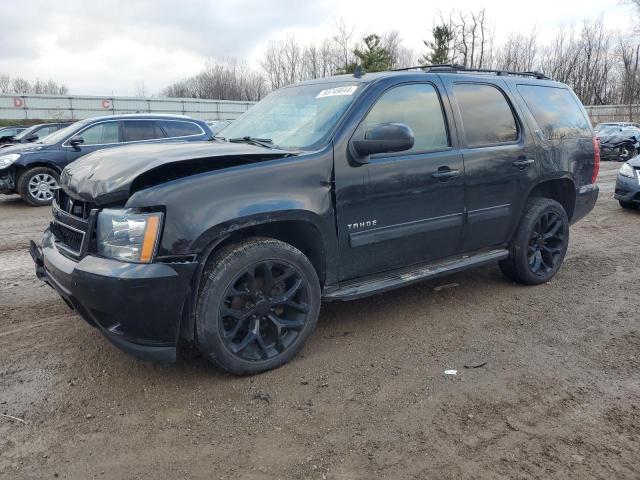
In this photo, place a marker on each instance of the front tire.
(258, 305)
(540, 243)
(627, 205)
(37, 186)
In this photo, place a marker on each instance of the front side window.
(43, 132)
(487, 118)
(417, 106)
(137, 130)
(556, 111)
(101, 134)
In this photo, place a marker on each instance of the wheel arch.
(297, 230)
(562, 190)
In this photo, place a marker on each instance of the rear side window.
(487, 118)
(418, 106)
(556, 111)
(180, 129)
(136, 130)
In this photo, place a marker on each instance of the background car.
(602, 126)
(6, 133)
(627, 190)
(619, 143)
(35, 132)
(32, 169)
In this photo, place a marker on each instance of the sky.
(113, 47)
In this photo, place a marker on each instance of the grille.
(71, 239)
(70, 223)
(77, 208)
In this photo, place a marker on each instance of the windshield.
(295, 118)
(25, 133)
(63, 133)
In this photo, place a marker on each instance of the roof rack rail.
(455, 68)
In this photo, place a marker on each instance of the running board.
(406, 276)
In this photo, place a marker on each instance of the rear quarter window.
(180, 129)
(556, 111)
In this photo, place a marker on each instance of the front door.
(410, 207)
(101, 135)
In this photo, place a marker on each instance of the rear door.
(413, 203)
(499, 158)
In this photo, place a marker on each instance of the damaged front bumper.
(7, 181)
(138, 307)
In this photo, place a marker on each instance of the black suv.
(32, 169)
(330, 189)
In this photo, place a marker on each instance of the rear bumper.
(627, 190)
(137, 307)
(586, 198)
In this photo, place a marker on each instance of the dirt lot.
(559, 396)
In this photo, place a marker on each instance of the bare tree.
(224, 80)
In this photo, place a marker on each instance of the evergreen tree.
(440, 46)
(372, 58)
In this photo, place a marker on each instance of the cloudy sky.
(113, 46)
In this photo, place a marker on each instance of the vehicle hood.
(112, 175)
(21, 148)
(619, 137)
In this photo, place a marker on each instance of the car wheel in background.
(258, 304)
(628, 205)
(37, 186)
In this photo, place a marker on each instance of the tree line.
(602, 66)
(20, 85)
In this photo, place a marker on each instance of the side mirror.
(32, 138)
(75, 141)
(385, 138)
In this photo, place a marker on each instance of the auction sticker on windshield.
(334, 92)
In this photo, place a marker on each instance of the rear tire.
(258, 305)
(628, 205)
(37, 186)
(540, 243)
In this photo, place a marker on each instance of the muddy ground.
(559, 396)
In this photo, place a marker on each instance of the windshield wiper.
(261, 142)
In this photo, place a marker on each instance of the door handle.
(445, 173)
(523, 162)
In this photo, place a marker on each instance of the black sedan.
(628, 185)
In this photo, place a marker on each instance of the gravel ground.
(558, 397)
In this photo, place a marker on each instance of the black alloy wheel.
(540, 243)
(258, 304)
(264, 310)
(547, 243)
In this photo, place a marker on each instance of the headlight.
(6, 160)
(628, 171)
(128, 235)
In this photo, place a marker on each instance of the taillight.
(596, 160)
